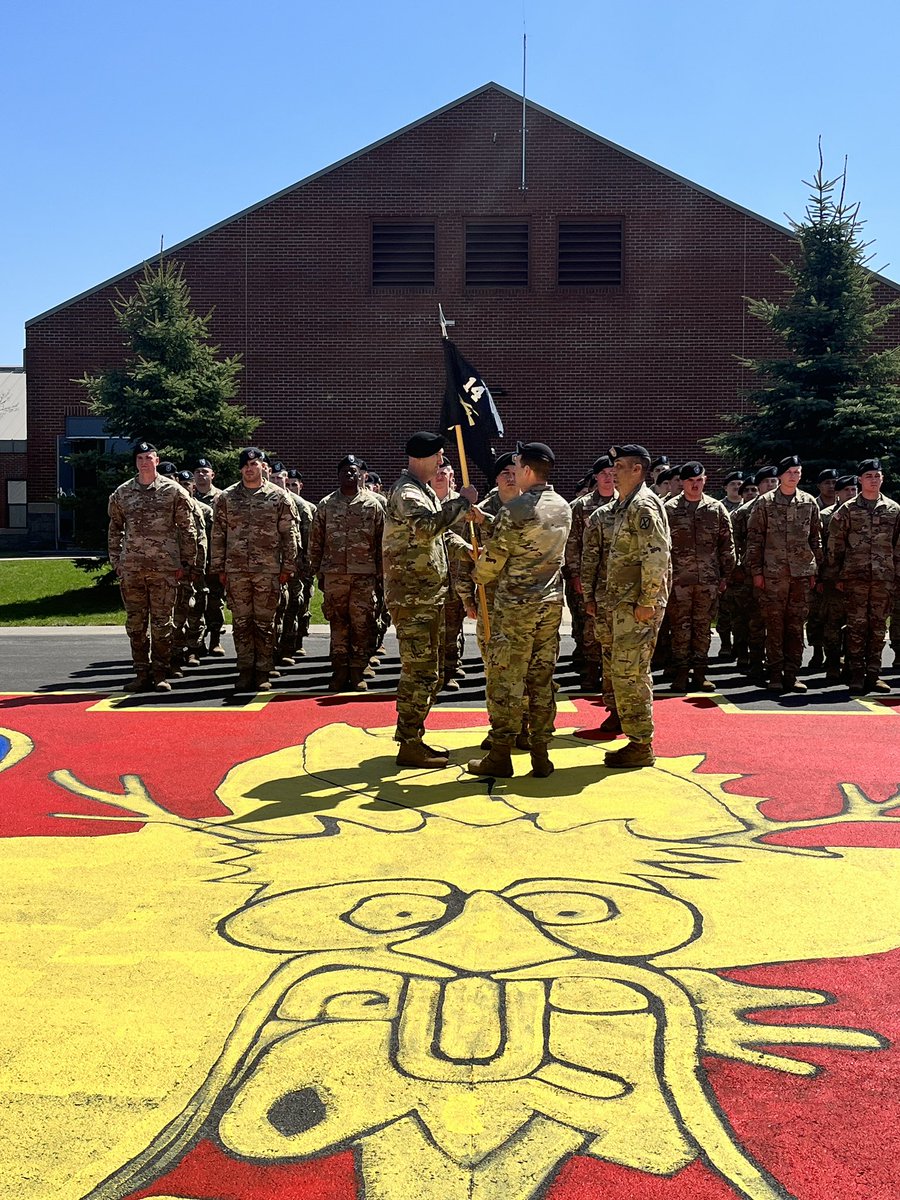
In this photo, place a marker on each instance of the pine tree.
(834, 399)
(174, 390)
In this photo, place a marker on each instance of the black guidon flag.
(469, 404)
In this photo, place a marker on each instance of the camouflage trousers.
(185, 602)
(149, 600)
(253, 600)
(350, 604)
(815, 619)
(521, 659)
(727, 613)
(748, 627)
(454, 638)
(834, 620)
(632, 648)
(287, 622)
(784, 603)
(603, 640)
(194, 627)
(575, 603)
(692, 610)
(420, 636)
(868, 608)
(304, 601)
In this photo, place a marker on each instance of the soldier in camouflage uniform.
(293, 646)
(597, 540)
(602, 493)
(815, 625)
(725, 622)
(827, 488)
(152, 544)
(187, 633)
(254, 550)
(784, 550)
(702, 560)
(749, 629)
(345, 555)
(454, 608)
(416, 577)
(211, 619)
(637, 587)
(834, 610)
(524, 555)
(287, 619)
(864, 560)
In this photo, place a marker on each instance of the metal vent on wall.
(497, 254)
(403, 254)
(590, 253)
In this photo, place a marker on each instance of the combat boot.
(541, 766)
(680, 680)
(263, 682)
(523, 740)
(776, 682)
(833, 668)
(874, 684)
(215, 645)
(817, 662)
(161, 682)
(497, 763)
(857, 681)
(792, 684)
(245, 681)
(356, 682)
(340, 677)
(191, 659)
(726, 649)
(141, 681)
(417, 754)
(699, 682)
(450, 684)
(632, 754)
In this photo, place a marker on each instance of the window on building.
(497, 254)
(403, 254)
(590, 253)
(17, 503)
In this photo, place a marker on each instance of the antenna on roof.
(523, 187)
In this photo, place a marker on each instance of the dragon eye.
(566, 908)
(384, 914)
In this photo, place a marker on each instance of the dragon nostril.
(296, 1112)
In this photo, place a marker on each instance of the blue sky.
(123, 122)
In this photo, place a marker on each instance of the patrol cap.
(770, 472)
(629, 450)
(250, 454)
(351, 460)
(539, 450)
(602, 464)
(691, 470)
(143, 448)
(203, 464)
(731, 476)
(845, 481)
(828, 473)
(186, 476)
(869, 464)
(167, 468)
(787, 464)
(502, 462)
(424, 444)
(278, 466)
(661, 460)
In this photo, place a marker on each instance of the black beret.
(828, 473)
(690, 470)
(293, 473)
(250, 454)
(185, 476)
(424, 444)
(661, 460)
(765, 473)
(143, 448)
(374, 477)
(845, 481)
(788, 464)
(202, 463)
(749, 482)
(351, 460)
(502, 461)
(278, 466)
(602, 464)
(869, 464)
(733, 475)
(539, 450)
(630, 450)
(167, 468)
(665, 476)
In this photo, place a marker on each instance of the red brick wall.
(12, 466)
(332, 365)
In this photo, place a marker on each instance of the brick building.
(13, 459)
(603, 302)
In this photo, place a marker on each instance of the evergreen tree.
(835, 398)
(174, 390)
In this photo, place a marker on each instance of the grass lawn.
(55, 592)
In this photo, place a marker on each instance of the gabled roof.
(487, 87)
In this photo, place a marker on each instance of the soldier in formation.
(583, 627)
(444, 485)
(210, 615)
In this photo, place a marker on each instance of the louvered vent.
(590, 253)
(497, 254)
(403, 254)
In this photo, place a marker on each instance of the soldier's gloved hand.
(469, 493)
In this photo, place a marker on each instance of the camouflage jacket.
(254, 532)
(702, 540)
(413, 551)
(151, 528)
(303, 513)
(202, 525)
(464, 575)
(784, 539)
(582, 508)
(346, 535)
(595, 553)
(864, 542)
(527, 547)
(638, 569)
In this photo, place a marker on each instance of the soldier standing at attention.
(594, 559)
(416, 578)
(702, 560)
(306, 510)
(864, 561)
(602, 492)
(454, 611)
(188, 634)
(827, 485)
(732, 497)
(749, 627)
(784, 550)
(212, 618)
(152, 545)
(287, 621)
(345, 554)
(254, 551)
(834, 610)
(637, 587)
(524, 556)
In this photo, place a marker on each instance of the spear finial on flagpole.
(444, 322)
